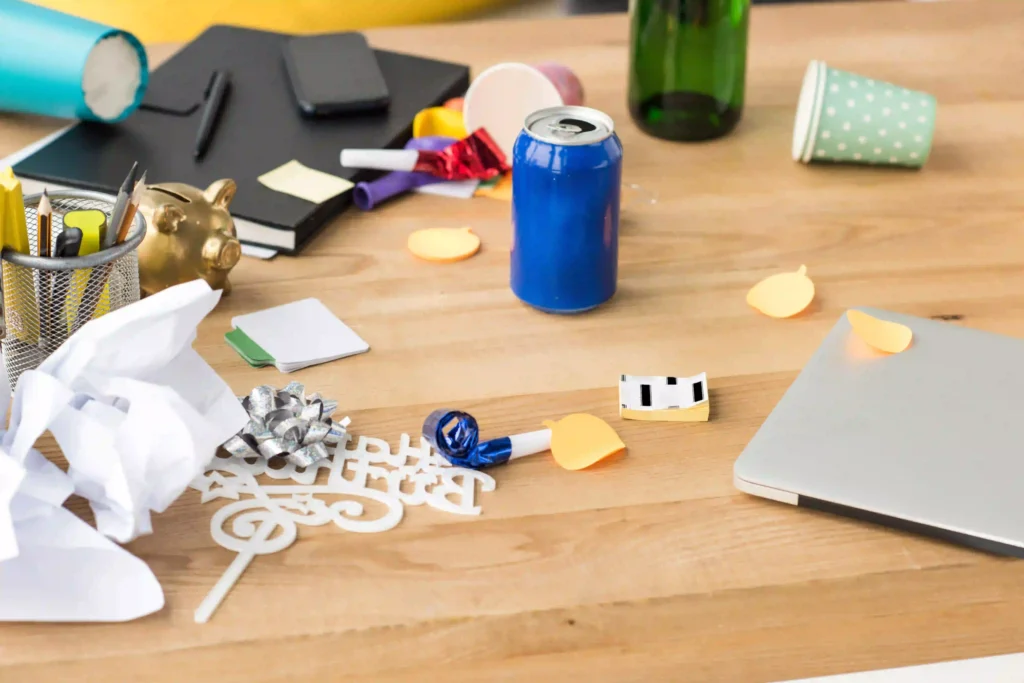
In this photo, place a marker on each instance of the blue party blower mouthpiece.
(54, 64)
(456, 436)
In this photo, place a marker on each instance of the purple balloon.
(368, 195)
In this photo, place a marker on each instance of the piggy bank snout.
(222, 251)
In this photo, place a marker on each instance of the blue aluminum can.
(566, 181)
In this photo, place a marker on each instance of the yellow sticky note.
(502, 190)
(12, 213)
(306, 183)
(445, 245)
(580, 440)
(782, 295)
(881, 334)
(698, 413)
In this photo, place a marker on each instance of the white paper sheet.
(459, 189)
(30, 149)
(67, 571)
(11, 476)
(262, 253)
(1001, 669)
(138, 414)
(54, 566)
(128, 463)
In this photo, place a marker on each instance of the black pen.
(44, 279)
(216, 94)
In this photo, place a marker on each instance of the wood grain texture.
(650, 567)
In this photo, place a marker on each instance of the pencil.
(120, 205)
(44, 226)
(133, 206)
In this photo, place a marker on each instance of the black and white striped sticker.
(650, 392)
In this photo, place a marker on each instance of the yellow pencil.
(44, 226)
(133, 207)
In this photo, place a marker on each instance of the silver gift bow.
(287, 424)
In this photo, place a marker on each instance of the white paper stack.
(300, 334)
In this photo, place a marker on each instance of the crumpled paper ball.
(138, 414)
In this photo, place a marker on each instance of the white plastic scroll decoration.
(264, 518)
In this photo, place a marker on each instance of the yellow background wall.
(154, 21)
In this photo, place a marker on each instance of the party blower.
(367, 195)
(55, 64)
(476, 156)
(576, 441)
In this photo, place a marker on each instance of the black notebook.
(260, 129)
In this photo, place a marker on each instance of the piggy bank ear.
(221, 192)
(167, 217)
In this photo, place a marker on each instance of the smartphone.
(335, 74)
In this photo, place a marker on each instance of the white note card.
(301, 334)
(1000, 669)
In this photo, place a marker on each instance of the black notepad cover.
(260, 128)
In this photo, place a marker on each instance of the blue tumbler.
(55, 64)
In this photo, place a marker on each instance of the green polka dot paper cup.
(847, 118)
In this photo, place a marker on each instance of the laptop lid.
(930, 439)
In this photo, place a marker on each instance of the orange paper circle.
(444, 245)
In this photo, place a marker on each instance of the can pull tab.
(568, 128)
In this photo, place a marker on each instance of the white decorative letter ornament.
(264, 519)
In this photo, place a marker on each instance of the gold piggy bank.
(189, 235)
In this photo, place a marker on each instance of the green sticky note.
(250, 351)
(490, 182)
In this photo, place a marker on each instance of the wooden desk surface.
(650, 568)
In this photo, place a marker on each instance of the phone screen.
(335, 74)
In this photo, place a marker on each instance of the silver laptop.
(930, 440)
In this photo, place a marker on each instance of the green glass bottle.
(687, 66)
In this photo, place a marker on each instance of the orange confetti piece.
(782, 295)
(883, 335)
(502, 191)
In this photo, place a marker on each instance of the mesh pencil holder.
(46, 300)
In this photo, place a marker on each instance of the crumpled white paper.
(138, 414)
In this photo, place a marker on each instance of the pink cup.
(566, 81)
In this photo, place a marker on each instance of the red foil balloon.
(476, 156)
